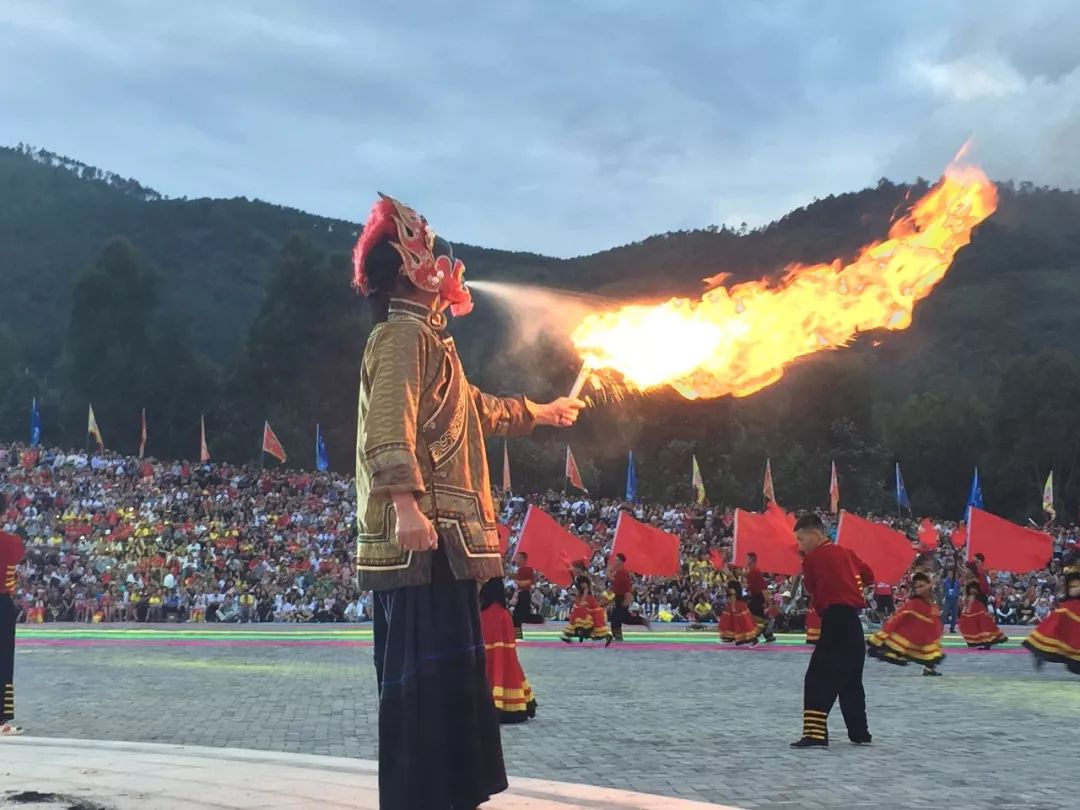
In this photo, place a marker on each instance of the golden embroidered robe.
(421, 429)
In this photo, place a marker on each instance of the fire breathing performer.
(830, 576)
(427, 528)
(510, 689)
(755, 586)
(1057, 638)
(914, 632)
(11, 554)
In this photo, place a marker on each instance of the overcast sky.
(554, 126)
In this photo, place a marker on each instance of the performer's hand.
(563, 412)
(414, 530)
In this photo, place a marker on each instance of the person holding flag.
(427, 527)
(622, 589)
(756, 587)
(524, 579)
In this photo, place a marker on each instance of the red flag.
(1006, 546)
(888, 552)
(834, 491)
(770, 537)
(142, 435)
(504, 538)
(506, 468)
(204, 451)
(959, 536)
(928, 535)
(550, 547)
(716, 558)
(649, 551)
(767, 488)
(271, 445)
(572, 472)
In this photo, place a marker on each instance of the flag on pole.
(770, 492)
(270, 445)
(322, 460)
(142, 435)
(506, 486)
(649, 551)
(834, 492)
(902, 500)
(551, 548)
(697, 482)
(572, 473)
(716, 557)
(975, 497)
(1006, 546)
(1048, 497)
(204, 451)
(35, 424)
(93, 429)
(631, 480)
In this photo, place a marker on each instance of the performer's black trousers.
(7, 658)
(439, 740)
(523, 610)
(620, 615)
(756, 604)
(835, 671)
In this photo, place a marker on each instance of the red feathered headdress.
(414, 241)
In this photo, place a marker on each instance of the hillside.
(227, 282)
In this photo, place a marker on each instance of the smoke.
(537, 313)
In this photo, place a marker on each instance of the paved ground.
(690, 720)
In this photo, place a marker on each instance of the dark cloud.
(559, 127)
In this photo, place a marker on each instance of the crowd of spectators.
(119, 539)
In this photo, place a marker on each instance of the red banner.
(649, 552)
(1006, 546)
(504, 538)
(928, 535)
(550, 547)
(770, 537)
(888, 552)
(271, 446)
(716, 558)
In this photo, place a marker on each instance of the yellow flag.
(698, 483)
(93, 429)
(1048, 496)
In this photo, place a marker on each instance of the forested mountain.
(243, 310)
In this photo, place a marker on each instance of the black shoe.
(931, 673)
(810, 742)
(862, 740)
(770, 637)
(566, 639)
(985, 647)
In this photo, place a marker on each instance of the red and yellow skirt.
(587, 622)
(813, 626)
(978, 627)
(738, 624)
(913, 633)
(509, 687)
(1057, 638)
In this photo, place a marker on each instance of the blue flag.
(631, 480)
(35, 424)
(975, 496)
(902, 500)
(322, 460)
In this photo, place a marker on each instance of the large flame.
(738, 340)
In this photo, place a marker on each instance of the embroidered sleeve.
(393, 374)
(503, 416)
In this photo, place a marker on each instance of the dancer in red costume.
(587, 619)
(913, 633)
(1057, 638)
(510, 688)
(976, 625)
(737, 623)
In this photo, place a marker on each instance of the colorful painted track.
(336, 636)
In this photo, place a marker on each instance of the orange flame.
(738, 340)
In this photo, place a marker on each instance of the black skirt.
(439, 743)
